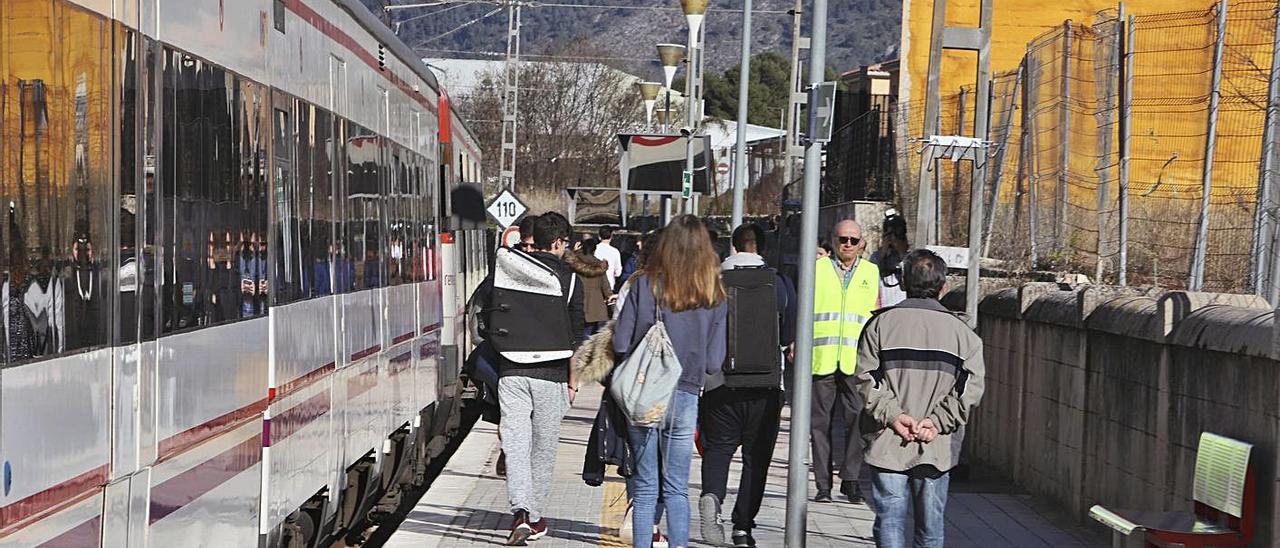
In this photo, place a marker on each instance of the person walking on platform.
(888, 258)
(534, 319)
(742, 404)
(921, 372)
(610, 255)
(847, 289)
(597, 294)
(682, 281)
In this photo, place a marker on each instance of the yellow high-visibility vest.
(839, 314)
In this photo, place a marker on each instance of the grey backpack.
(644, 383)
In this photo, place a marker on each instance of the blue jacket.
(697, 335)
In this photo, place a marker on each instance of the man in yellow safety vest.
(847, 289)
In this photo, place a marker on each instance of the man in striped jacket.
(920, 373)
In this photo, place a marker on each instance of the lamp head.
(694, 7)
(649, 90)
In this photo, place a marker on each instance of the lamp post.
(648, 93)
(671, 56)
(695, 12)
(740, 155)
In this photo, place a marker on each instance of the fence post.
(1032, 154)
(1105, 118)
(1064, 141)
(1196, 283)
(962, 100)
(1265, 237)
(1023, 139)
(999, 161)
(1126, 111)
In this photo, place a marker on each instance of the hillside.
(859, 31)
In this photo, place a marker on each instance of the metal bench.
(1223, 492)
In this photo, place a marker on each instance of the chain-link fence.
(1064, 192)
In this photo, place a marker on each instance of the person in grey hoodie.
(920, 372)
(682, 279)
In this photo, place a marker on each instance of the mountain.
(859, 31)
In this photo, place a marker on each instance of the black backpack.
(528, 316)
(754, 357)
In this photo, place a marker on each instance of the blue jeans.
(664, 455)
(896, 494)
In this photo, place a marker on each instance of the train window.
(131, 112)
(398, 253)
(278, 14)
(55, 149)
(318, 211)
(285, 282)
(363, 207)
(212, 196)
(251, 202)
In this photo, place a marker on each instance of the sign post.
(686, 184)
(506, 209)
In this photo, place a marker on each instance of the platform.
(467, 504)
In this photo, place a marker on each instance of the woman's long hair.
(686, 266)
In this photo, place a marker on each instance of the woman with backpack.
(679, 287)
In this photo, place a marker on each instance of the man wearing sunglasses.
(847, 289)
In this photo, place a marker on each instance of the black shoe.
(743, 539)
(852, 492)
(824, 495)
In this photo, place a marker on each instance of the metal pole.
(1064, 141)
(744, 81)
(792, 111)
(666, 198)
(1265, 284)
(510, 100)
(1126, 111)
(978, 177)
(691, 104)
(798, 467)
(1196, 283)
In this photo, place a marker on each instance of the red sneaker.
(539, 529)
(520, 529)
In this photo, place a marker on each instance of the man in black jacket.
(534, 397)
(742, 416)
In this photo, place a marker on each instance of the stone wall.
(1099, 394)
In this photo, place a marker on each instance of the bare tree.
(570, 115)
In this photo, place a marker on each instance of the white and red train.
(231, 281)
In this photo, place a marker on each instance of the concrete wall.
(1099, 394)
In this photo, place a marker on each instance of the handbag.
(643, 384)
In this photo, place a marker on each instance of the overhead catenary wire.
(491, 13)
(537, 4)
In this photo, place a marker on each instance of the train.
(232, 280)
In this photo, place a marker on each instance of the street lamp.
(671, 55)
(694, 12)
(664, 117)
(649, 93)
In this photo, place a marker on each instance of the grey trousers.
(531, 413)
(833, 394)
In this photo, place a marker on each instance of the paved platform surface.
(467, 504)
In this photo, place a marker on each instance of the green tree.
(767, 88)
